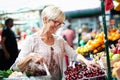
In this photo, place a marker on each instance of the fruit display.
(114, 56)
(113, 35)
(98, 56)
(114, 53)
(101, 56)
(92, 44)
(95, 48)
(97, 44)
(80, 71)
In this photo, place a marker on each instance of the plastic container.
(101, 77)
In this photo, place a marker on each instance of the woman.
(51, 48)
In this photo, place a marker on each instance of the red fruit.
(118, 50)
(66, 72)
(80, 76)
(115, 50)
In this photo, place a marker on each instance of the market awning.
(83, 13)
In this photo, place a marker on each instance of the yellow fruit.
(114, 72)
(95, 51)
(116, 64)
(117, 6)
(78, 50)
(117, 0)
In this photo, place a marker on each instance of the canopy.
(83, 13)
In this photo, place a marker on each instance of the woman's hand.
(37, 58)
(32, 57)
(92, 64)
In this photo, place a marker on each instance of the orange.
(95, 51)
(103, 46)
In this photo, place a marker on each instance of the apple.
(115, 56)
(115, 50)
(118, 50)
(110, 55)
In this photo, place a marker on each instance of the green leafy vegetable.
(5, 74)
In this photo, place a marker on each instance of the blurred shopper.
(84, 35)
(33, 29)
(69, 35)
(99, 28)
(111, 24)
(9, 45)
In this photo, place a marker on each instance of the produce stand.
(104, 43)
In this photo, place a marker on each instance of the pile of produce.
(115, 51)
(80, 71)
(114, 35)
(97, 44)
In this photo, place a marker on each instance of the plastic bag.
(43, 77)
(37, 76)
(34, 69)
(32, 65)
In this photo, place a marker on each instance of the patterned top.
(57, 51)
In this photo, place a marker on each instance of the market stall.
(96, 49)
(106, 45)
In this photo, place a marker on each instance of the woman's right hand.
(37, 58)
(32, 57)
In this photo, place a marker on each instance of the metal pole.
(106, 42)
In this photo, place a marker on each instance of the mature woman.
(50, 47)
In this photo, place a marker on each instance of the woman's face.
(54, 25)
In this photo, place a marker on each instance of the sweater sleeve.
(27, 47)
(67, 50)
(71, 53)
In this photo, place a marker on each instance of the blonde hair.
(53, 12)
